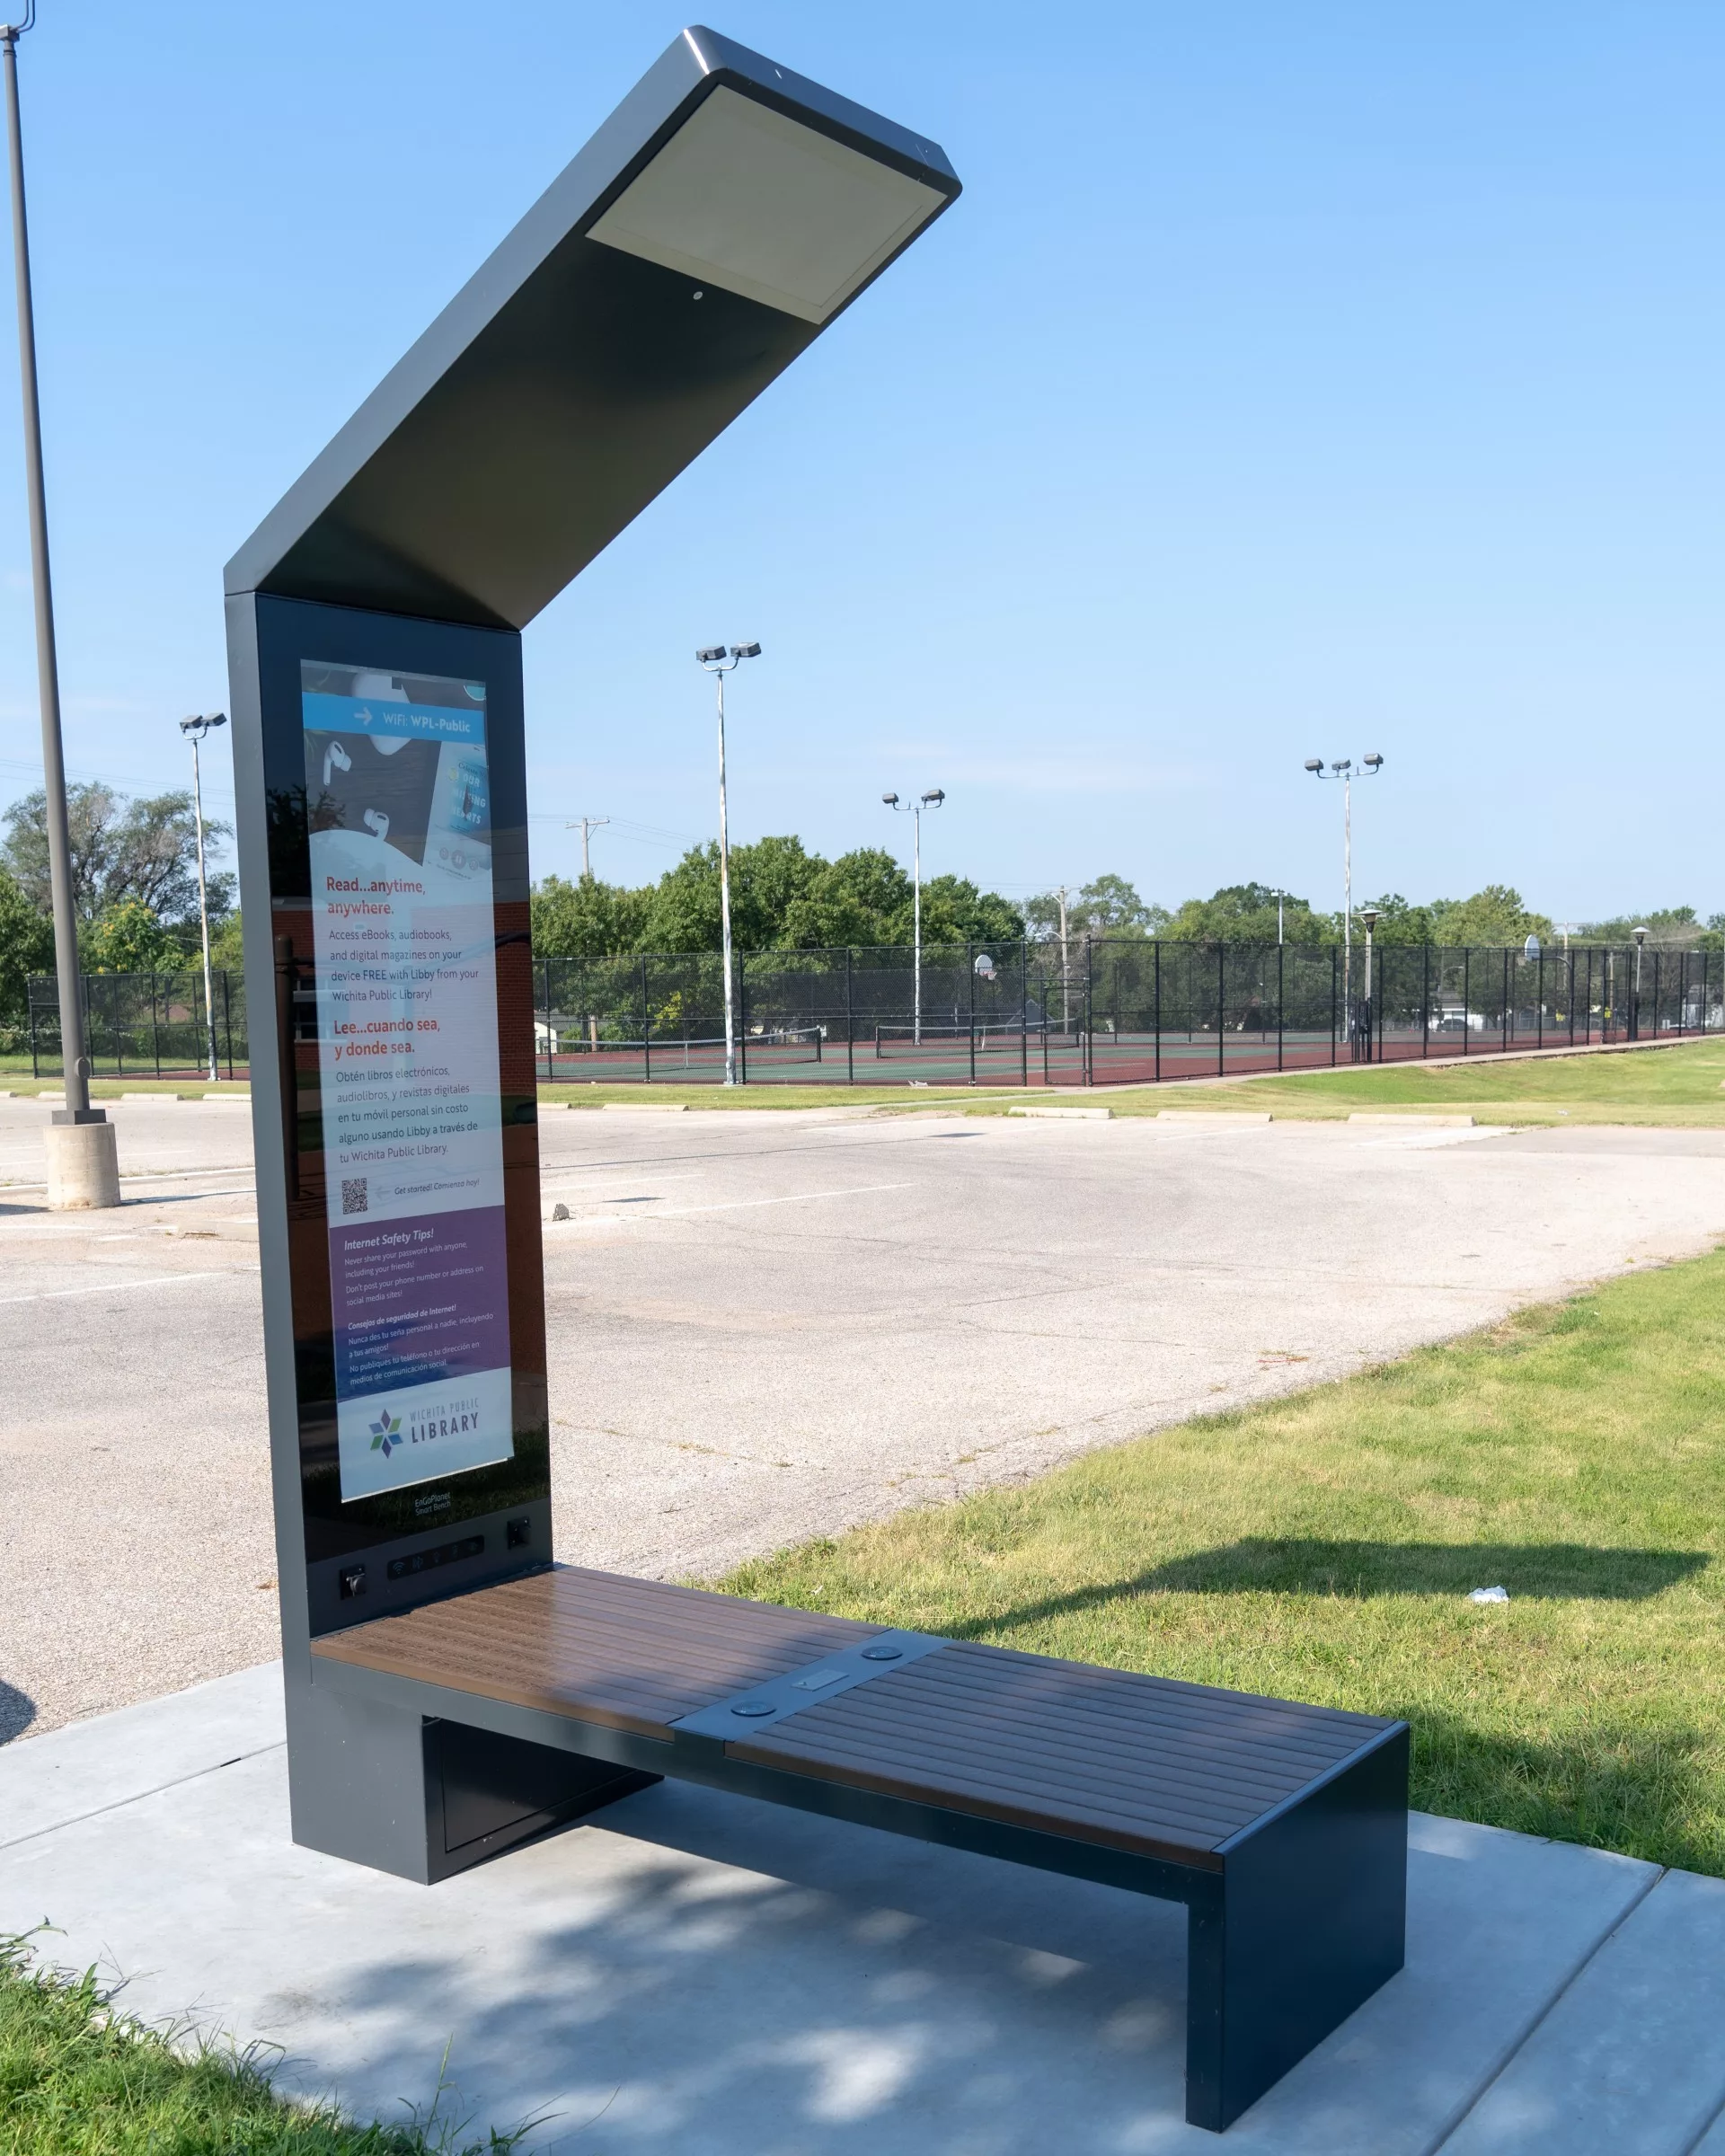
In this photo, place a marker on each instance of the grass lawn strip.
(79, 2077)
(1322, 1548)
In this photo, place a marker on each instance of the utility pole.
(1066, 979)
(913, 809)
(83, 1171)
(194, 729)
(712, 657)
(590, 823)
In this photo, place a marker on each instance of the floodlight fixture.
(1369, 914)
(1342, 768)
(913, 809)
(713, 657)
(194, 729)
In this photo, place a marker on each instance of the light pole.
(1343, 769)
(1640, 935)
(588, 823)
(194, 729)
(83, 1171)
(1369, 914)
(913, 809)
(714, 658)
(1282, 901)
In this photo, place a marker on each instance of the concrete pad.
(1631, 2061)
(1040, 1108)
(1381, 1114)
(1209, 1115)
(113, 1759)
(701, 1973)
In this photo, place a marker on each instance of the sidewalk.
(703, 1977)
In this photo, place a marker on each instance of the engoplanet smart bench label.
(398, 806)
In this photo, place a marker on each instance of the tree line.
(135, 889)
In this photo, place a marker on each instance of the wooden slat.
(1148, 1764)
(627, 1653)
(1031, 1742)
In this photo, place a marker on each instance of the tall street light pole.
(194, 729)
(82, 1171)
(913, 809)
(718, 662)
(1343, 769)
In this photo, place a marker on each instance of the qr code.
(353, 1195)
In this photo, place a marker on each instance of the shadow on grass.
(1266, 1565)
(1641, 1788)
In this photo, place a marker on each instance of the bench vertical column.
(1305, 1920)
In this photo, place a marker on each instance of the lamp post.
(1369, 914)
(718, 662)
(1343, 769)
(1281, 902)
(194, 729)
(83, 1169)
(1640, 935)
(913, 809)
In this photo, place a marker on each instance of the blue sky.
(1289, 382)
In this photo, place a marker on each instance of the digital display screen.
(398, 819)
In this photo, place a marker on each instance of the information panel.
(398, 810)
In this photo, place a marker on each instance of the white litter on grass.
(1490, 1595)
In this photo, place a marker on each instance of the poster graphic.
(398, 808)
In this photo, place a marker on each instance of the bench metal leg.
(1305, 1921)
(423, 1799)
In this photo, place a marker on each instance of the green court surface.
(1324, 1547)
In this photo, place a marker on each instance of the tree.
(587, 919)
(859, 899)
(1490, 918)
(1106, 906)
(145, 850)
(766, 878)
(1397, 922)
(1670, 927)
(26, 947)
(127, 938)
(954, 911)
(1246, 913)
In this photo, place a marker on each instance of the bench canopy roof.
(722, 216)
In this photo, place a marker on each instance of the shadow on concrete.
(1270, 1565)
(17, 1713)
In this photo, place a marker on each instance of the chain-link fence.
(143, 1025)
(1114, 1011)
(1107, 1012)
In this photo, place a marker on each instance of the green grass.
(79, 2077)
(1323, 1547)
(1665, 1085)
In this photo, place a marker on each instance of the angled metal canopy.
(725, 213)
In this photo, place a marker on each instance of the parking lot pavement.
(763, 1325)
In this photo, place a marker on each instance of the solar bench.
(1282, 1827)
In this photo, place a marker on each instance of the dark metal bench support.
(1303, 1924)
(423, 1799)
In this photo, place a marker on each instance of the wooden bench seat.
(1281, 1826)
